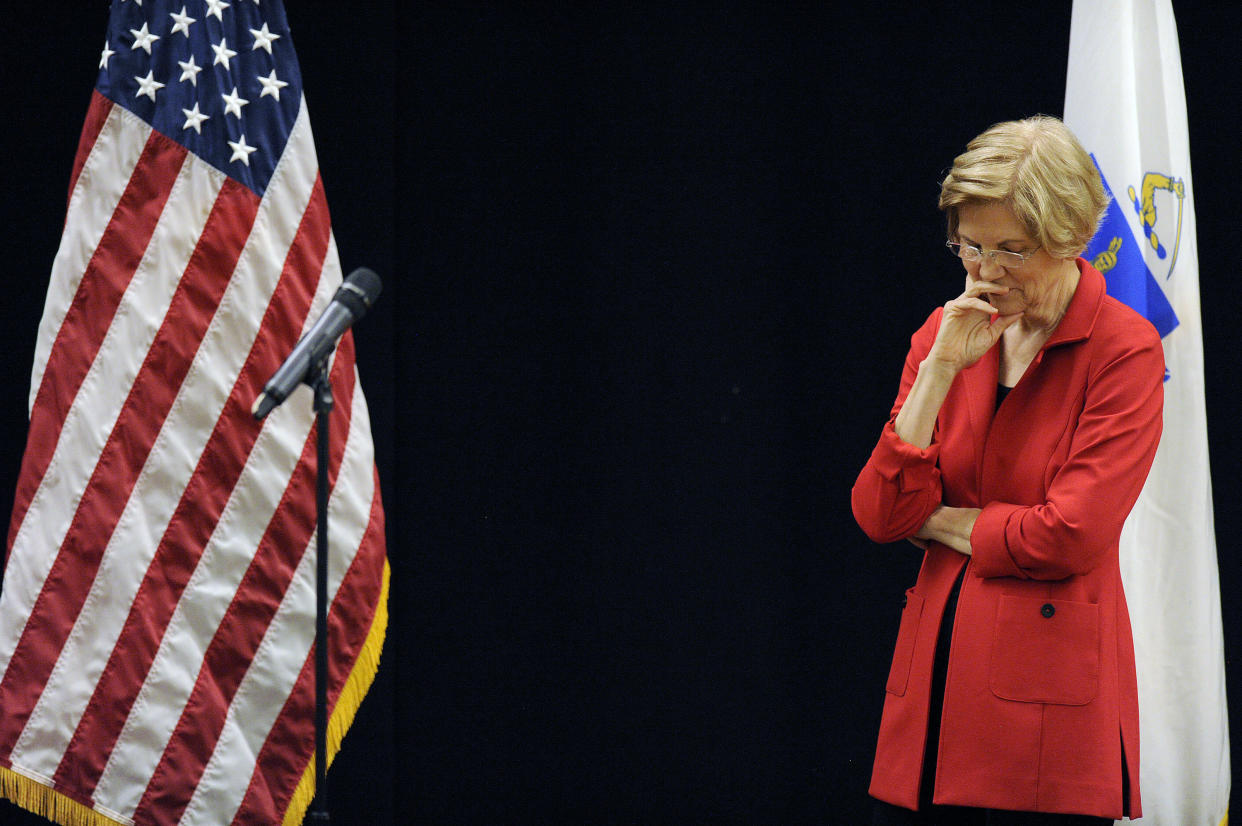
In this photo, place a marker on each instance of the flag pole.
(322, 391)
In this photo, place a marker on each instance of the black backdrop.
(650, 273)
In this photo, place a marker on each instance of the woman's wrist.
(939, 367)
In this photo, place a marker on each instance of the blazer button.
(1048, 610)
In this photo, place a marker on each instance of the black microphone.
(351, 302)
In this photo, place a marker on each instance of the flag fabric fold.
(1126, 102)
(157, 613)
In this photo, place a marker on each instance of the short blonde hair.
(1039, 170)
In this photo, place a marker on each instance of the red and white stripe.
(157, 613)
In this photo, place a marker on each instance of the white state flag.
(1125, 101)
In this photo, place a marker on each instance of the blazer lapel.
(980, 386)
(1075, 326)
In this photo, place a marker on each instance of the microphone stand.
(308, 363)
(322, 390)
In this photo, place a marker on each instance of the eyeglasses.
(1004, 258)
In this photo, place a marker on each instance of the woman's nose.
(989, 270)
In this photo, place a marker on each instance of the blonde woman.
(1027, 418)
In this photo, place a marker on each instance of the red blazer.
(1041, 700)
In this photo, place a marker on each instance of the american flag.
(157, 617)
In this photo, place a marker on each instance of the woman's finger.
(972, 304)
(979, 288)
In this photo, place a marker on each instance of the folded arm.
(1112, 448)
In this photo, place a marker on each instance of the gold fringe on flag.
(45, 801)
(346, 708)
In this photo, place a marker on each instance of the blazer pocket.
(1046, 651)
(899, 674)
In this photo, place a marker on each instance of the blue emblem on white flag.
(1115, 252)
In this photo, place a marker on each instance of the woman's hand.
(949, 526)
(967, 330)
